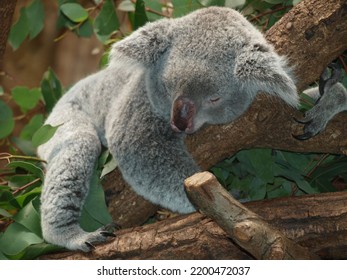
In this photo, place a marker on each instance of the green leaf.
(274, 1)
(208, 3)
(85, 30)
(95, 213)
(109, 166)
(26, 146)
(182, 8)
(1, 91)
(44, 134)
(27, 197)
(29, 217)
(25, 98)
(27, 166)
(36, 17)
(106, 22)
(140, 18)
(36, 250)
(51, 89)
(20, 30)
(17, 181)
(17, 238)
(8, 201)
(74, 12)
(6, 120)
(305, 187)
(154, 6)
(34, 124)
(4, 213)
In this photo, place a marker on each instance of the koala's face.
(202, 92)
(206, 67)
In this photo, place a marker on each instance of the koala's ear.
(259, 69)
(146, 44)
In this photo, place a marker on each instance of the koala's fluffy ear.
(259, 69)
(146, 44)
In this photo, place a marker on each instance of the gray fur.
(331, 99)
(165, 80)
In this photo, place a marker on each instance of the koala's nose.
(182, 115)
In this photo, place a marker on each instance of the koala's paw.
(314, 122)
(77, 239)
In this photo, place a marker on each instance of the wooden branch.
(247, 229)
(318, 222)
(6, 13)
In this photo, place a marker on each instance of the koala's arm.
(71, 155)
(331, 99)
(153, 158)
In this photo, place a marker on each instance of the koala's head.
(206, 67)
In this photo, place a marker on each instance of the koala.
(331, 99)
(164, 81)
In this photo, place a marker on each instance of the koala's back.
(89, 100)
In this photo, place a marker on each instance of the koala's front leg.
(333, 100)
(71, 156)
(152, 157)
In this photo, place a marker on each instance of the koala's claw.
(305, 136)
(303, 121)
(107, 234)
(90, 246)
(311, 129)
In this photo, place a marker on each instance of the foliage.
(252, 174)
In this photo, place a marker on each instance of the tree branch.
(315, 222)
(243, 226)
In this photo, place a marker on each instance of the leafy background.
(249, 175)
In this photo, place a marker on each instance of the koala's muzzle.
(182, 115)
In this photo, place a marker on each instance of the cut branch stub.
(245, 227)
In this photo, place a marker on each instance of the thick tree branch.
(243, 226)
(316, 222)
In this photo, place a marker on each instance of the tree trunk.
(6, 14)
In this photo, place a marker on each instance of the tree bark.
(6, 14)
(317, 222)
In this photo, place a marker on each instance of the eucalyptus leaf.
(26, 98)
(109, 167)
(44, 134)
(106, 22)
(74, 12)
(33, 125)
(140, 18)
(6, 120)
(20, 30)
(36, 18)
(30, 167)
(95, 212)
(17, 238)
(29, 217)
(51, 89)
